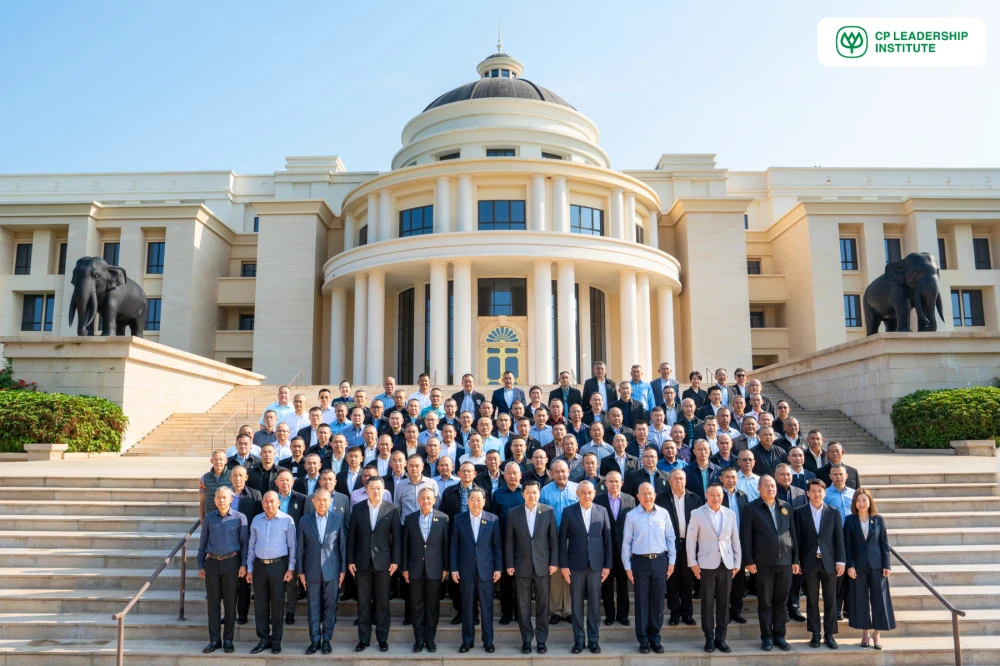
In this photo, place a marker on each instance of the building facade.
(501, 238)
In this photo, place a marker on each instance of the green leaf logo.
(852, 41)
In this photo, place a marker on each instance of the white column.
(384, 218)
(665, 314)
(349, 233)
(585, 342)
(617, 213)
(360, 328)
(439, 323)
(442, 205)
(376, 326)
(567, 319)
(372, 223)
(645, 330)
(338, 335)
(628, 317)
(543, 323)
(538, 202)
(465, 204)
(653, 233)
(463, 319)
(560, 205)
(630, 217)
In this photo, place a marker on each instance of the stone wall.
(864, 378)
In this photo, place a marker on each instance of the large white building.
(501, 238)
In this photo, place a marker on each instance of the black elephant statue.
(105, 290)
(910, 283)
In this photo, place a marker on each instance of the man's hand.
(444, 576)
(565, 573)
(796, 569)
(552, 570)
(751, 568)
(852, 572)
(454, 576)
(392, 568)
(249, 578)
(242, 573)
(840, 570)
(352, 568)
(496, 576)
(670, 570)
(604, 574)
(510, 571)
(302, 580)
(201, 573)
(289, 575)
(886, 572)
(628, 572)
(341, 581)
(696, 570)
(406, 577)
(735, 571)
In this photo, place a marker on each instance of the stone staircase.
(74, 550)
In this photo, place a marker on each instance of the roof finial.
(499, 39)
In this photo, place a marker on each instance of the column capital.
(624, 272)
(465, 177)
(385, 191)
(438, 262)
(460, 262)
(444, 179)
(566, 262)
(376, 272)
(559, 179)
(618, 190)
(542, 262)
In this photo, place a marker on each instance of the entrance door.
(502, 354)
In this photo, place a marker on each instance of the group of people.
(678, 495)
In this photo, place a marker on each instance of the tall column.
(442, 205)
(543, 323)
(538, 202)
(338, 335)
(439, 323)
(585, 341)
(376, 326)
(384, 217)
(567, 319)
(629, 223)
(617, 213)
(665, 315)
(645, 329)
(560, 205)
(349, 233)
(628, 317)
(360, 328)
(653, 232)
(372, 220)
(463, 319)
(465, 203)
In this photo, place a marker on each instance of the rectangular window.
(416, 221)
(153, 314)
(586, 221)
(504, 73)
(22, 260)
(63, 248)
(848, 254)
(551, 156)
(450, 156)
(37, 311)
(746, 221)
(942, 255)
(852, 310)
(363, 236)
(640, 235)
(111, 253)
(256, 224)
(756, 319)
(246, 321)
(499, 152)
(598, 326)
(248, 269)
(981, 249)
(154, 257)
(967, 307)
(501, 215)
(404, 346)
(753, 266)
(893, 249)
(503, 297)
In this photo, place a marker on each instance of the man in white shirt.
(370, 448)
(282, 407)
(338, 450)
(423, 394)
(384, 453)
(326, 409)
(476, 455)
(281, 441)
(299, 418)
(711, 432)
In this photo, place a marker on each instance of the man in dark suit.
(476, 561)
(322, 551)
(469, 399)
(294, 504)
(700, 472)
(339, 502)
(373, 555)
(800, 475)
(736, 500)
(585, 561)
(617, 504)
(795, 497)
(767, 535)
(531, 555)
(307, 482)
(713, 405)
(633, 411)
(814, 453)
(679, 503)
(592, 385)
(565, 393)
(822, 558)
(454, 501)
(426, 536)
(242, 456)
(767, 455)
(621, 461)
(248, 502)
(504, 397)
(648, 473)
(262, 475)
(616, 426)
(350, 477)
(662, 382)
(835, 456)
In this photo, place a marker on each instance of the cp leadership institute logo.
(852, 41)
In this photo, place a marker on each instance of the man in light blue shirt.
(354, 433)
(561, 492)
(282, 407)
(270, 564)
(722, 378)
(641, 390)
(490, 443)
(340, 422)
(390, 387)
(541, 432)
(746, 480)
(838, 495)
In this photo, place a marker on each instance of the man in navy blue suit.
(476, 563)
(322, 553)
(505, 396)
(701, 472)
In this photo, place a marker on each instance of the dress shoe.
(577, 648)
(643, 649)
(814, 642)
(766, 644)
(840, 616)
(407, 621)
(212, 647)
(723, 647)
(782, 643)
(674, 621)
(457, 619)
(313, 647)
(432, 647)
(418, 647)
(228, 647)
(689, 621)
(554, 619)
(360, 647)
(737, 618)
(525, 648)
(383, 646)
(241, 620)
(290, 618)
(465, 647)
(595, 649)
(624, 622)
(567, 618)
(489, 648)
(327, 648)
(542, 649)
(505, 619)
(794, 614)
(657, 648)
(709, 645)
(260, 647)
(275, 648)
(608, 621)
(831, 643)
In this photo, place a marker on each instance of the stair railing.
(250, 406)
(298, 375)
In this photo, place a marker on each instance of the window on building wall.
(404, 338)
(598, 326)
(981, 250)
(504, 73)
(363, 236)
(112, 253)
(967, 307)
(574, 372)
(153, 314)
(248, 269)
(416, 221)
(154, 257)
(501, 215)
(246, 321)
(22, 259)
(753, 266)
(942, 255)
(848, 254)
(63, 249)
(756, 319)
(499, 152)
(746, 221)
(503, 297)
(640, 235)
(852, 310)
(893, 249)
(256, 224)
(586, 221)
(495, 73)
(551, 156)
(450, 156)
(37, 311)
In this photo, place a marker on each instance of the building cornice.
(316, 207)
(687, 205)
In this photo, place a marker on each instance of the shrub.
(86, 423)
(7, 381)
(932, 419)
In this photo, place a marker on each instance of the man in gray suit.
(339, 502)
(531, 555)
(713, 553)
(322, 552)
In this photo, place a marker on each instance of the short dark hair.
(714, 484)
(815, 482)
(373, 479)
(530, 482)
(715, 387)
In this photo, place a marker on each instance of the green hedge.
(932, 419)
(87, 424)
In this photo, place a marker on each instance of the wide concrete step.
(96, 558)
(121, 540)
(942, 536)
(925, 519)
(872, 478)
(930, 505)
(956, 554)
(88, 483)
(71, 496)
(921, 490)
(99, 508)
(101, 523)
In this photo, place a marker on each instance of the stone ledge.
(45, 451)
(927, 452)
(974, 447)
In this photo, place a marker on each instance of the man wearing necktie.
(476, 560)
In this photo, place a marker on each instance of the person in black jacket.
(262, 475)
(680, 586)
(565, 393)
(736, 500)
(633, 411)
(821, 561)
(592, 385)
(695, 392)
(835, 456)
(294, 504)
(618, 504)
(248, 502)
(425, 552)
(867, 544)
(469, 399)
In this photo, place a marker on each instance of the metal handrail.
(245, 409)
(120, 616)
(955, 613)
(292, 384)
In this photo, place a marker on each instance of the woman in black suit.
(696, 393)
(867, 545)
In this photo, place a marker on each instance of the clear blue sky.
(102, 86)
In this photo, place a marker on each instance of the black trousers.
(585, 586)
(715, 587)
(242, 597)
(773, 584)
(737, 590)
(650, 582)
(220, 582)
(523, 589)
(795, 593)
(680, 586)
(815, 580)
(425, 608)
(616, 584)
(292, 595)
(269, 599)
(373, 588)
(842, 594)
(869, 602)
(508, 604)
